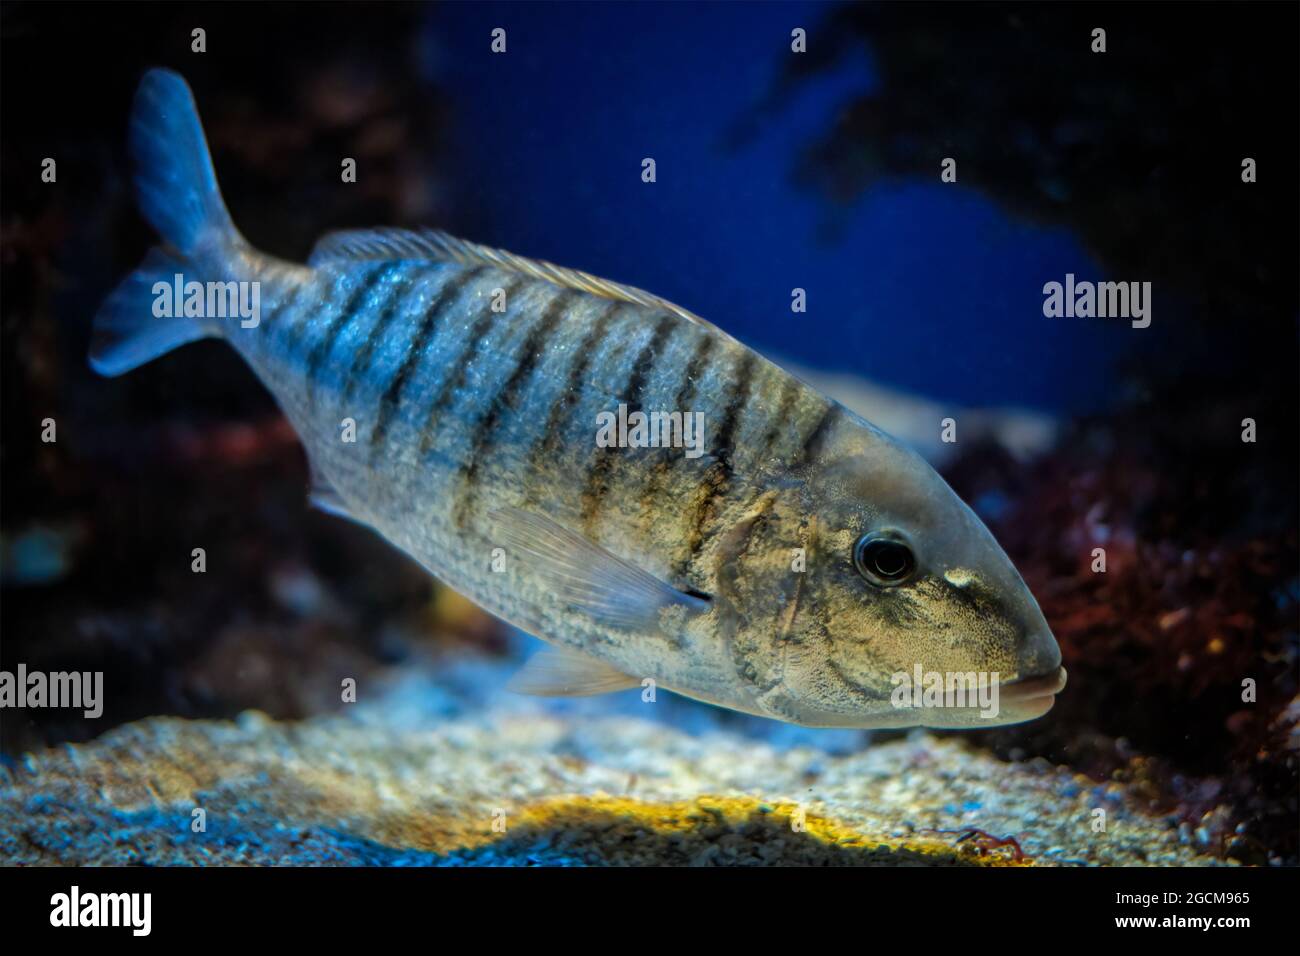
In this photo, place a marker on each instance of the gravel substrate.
(409, 778)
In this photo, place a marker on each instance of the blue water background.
(925, 286)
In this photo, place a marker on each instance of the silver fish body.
(460, 409)
(449, 396)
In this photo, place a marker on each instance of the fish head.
(904, 582)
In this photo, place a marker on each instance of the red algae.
(1182, 653)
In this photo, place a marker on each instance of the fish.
(449, 397)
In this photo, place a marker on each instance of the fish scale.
(359, 356)
(397, 493)
(443, 285)
(475, 452)
(582, 342)
(607, 475)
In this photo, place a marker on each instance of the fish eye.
(883, 559)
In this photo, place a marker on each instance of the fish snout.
(1041, 675)
(1039, 654)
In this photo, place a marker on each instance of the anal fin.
(559, 672)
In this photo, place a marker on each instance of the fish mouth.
(1037, 688)
(1016, 701)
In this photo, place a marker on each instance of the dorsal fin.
(437, 246)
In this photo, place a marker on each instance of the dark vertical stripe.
(735, 405)
(548, 442)
(288, 331)
(448, 295)
(320, 349)
(812, 444)
(525, 363)
(789, 395)
(300, 332)
(456, 379)
(694, 369)
(397, 297)
(603, 461)
(685, 396)
(645, 360)
(718, 477)
(282, 314)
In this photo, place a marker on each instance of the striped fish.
(448, 397)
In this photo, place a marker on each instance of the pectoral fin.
(588, 576)
(557, 672)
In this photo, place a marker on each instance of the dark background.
(774, 171)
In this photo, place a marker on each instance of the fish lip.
(1032, 688)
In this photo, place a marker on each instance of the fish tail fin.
(176, 189)
(175, 183)
(127, 333)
